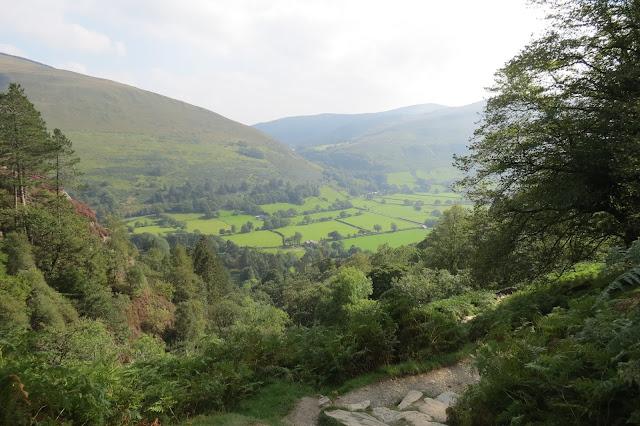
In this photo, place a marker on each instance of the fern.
(626, 260)
(630, 278)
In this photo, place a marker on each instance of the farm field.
(256, 239)
(440, 174)
(327, 197)
(400, 210)
(368, 220)
(394, 239)
(319, 230)
(406, 217)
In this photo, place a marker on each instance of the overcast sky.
(258, 60)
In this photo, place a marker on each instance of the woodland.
(101, 326)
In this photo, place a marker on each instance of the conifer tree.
(208, 265)
(25, 146)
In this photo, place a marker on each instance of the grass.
(398, 210)
(367, 221)
(394, 211)
(327, 197)
(134, 139)
(394, 239)
(269, 406)
(256, 239)
(319, 230)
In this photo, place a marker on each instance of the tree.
(297, 238)
(65, 160)
(208, 265)
(394, 226)
(557, 154)
(449, 244)
(335, 235)
(26, 150)
(377, 227)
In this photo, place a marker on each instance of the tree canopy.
(557, 155)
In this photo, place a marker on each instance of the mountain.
(419, 137)
(327, 129)
(131, 140)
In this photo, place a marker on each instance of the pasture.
(365, 214)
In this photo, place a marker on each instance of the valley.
(202, 271)
(362, 222)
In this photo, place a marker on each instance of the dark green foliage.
(208, 265)
(556, 157)
(48, 308)
(560, 353)
(449, 246)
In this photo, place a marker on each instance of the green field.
(398, 210)
(368, 220)
(438, 174)
(318, 231)
(327, 197)
(394, 210)
(256, 239)
(394, 239)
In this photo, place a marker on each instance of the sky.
(259, 60)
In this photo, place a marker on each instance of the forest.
(538, 283)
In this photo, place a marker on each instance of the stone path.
(415, 400)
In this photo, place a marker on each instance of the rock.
(324, 401)
(411, 397)
(363, 405)
(387, 415)
(417, 418)
(354, 419)
(434, 408)
(449, 398)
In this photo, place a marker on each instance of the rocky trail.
(419, 400)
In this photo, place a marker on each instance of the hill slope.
(420, 137)
(133, 140)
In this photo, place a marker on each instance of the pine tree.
(25, 146)
(208, 265)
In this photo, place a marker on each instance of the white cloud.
(46, 22)
(253, 60)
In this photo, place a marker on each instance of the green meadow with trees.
(538, 279)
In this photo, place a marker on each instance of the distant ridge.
(133, 140)
(419, 137)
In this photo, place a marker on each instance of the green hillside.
(132, 141)
(418, 138)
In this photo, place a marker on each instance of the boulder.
(363, 405)
(449, 398)
(386, 415)
(411, 397)
(434, 408)
(348, 418)
(324, 401)
(417, 418)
